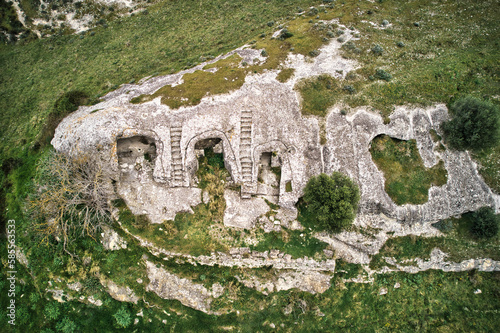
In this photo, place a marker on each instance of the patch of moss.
(285, 74)
(305, 38)
(406, 178)
(318, 94)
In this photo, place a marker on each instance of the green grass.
(489, 167)
(172, 36)
(294, 242)
(453, 52)
(458, 242)
(285, 74)
(406, 178)
(318, 94)
(231, 72)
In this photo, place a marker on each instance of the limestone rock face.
(312, 282)
(348, 142)
(170, 286)
(151, 149)
(111, 240)
(120, 293)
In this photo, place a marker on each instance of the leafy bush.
(377, 50)
(285, 34)
(122, 317)
(475, 124)
(350, 89)
(52, 311)
(484, 223)
(314, 53)
(312, 11)
(383, 75)
(333, 199)
(92, 285)
(66, 326)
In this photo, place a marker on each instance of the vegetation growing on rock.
(475, 124)
(333, 200)
(406, 178)
(484, 223)
(428, 67)
(318, 94)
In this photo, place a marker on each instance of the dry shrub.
(71, 197)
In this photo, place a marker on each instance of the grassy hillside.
(434, 51)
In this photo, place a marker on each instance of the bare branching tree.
(71, 198)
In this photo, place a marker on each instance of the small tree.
(484, 223)
(71, 197)
(475, 124)
(333, 200)
(122, 317)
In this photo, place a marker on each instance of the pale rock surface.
(111, 240)
(120, 293)
(170, 286)
(312, 282)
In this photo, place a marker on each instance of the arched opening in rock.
(269, 176)
(407, 180)
(211, 143)
(136, 154)
(210, 151)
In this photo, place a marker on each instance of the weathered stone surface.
(312, 282)
(120, 293)
(437, 261)
(76, 286)
(242, 213)
(111, 240)
(262, 117)
(349, 141)
(21, 257)
(170, 286)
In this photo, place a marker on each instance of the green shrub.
(66, 326)
(383, 75)
(377, 50)
(350, 89)
(333, 200)
(314, 53)
(92, 285)
(484, 223)
(475, 124)
(285, 34)
(313, 11)
(122, 317)
(52, 311)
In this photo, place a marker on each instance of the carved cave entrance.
(136, 155)
(269, 176)
(212, 149)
